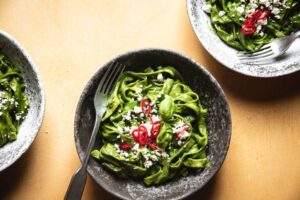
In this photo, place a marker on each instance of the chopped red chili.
(155, 129)
(254, 20)
(125, 146)
(152, 145)
(146, 106)
(140, 135)
(249, 29)
(135, 134)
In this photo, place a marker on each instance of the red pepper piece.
(125, 146)
(135, 134)
(143, 135)
(251, 22)
(155, 129)
(264, 15)
(146, 106)
(153, 146)
(248, 29)
(151, 143)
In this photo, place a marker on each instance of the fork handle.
(76, 185)
(78, 180)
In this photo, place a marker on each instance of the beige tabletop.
(70, 39)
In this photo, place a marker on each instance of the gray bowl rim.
(200, 67)
(41, 113)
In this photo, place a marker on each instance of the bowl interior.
(29, 128)
(218, 123)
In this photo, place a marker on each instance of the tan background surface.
(70, 39)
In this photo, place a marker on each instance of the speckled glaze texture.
(29, 128)
(226, 55)
(218, 123)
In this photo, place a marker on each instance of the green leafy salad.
(154, 127)
(247, 25)
(13, 100)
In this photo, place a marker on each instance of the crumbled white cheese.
(258, 29)
(137, 109)
(126, 129)
(128, 116)
(136, 147)
(155, 118)
(139, 90)
(261, 34)
(222, 13)
(275, 11)
(120, 129)
(124, 154)
(164, 155)
(240, 9)
(254, 5)
(139, 98)
(157, 153)
(148, 163)
(180, 143)
(207, 8)
(153, 158)
(160, 77)
(154, 110)
(11, 100)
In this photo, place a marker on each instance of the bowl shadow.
(249, 88)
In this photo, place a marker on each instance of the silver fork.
(269, 51)
(106, 84)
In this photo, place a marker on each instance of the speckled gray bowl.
(218, 122)
(29, 128)
(287, 64)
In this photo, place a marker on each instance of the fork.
(272, 50)
(106, 84)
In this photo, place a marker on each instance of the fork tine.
(255, 54)
(265, 47)
(258, 57)
(116, 77)
(114, 67)
(113, 80)
(259, 60)
(102, 81)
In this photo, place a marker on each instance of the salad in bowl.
(154, 127)
(247, 25)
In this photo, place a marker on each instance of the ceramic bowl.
(201, 23)
(29, 128)
(218, 124)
